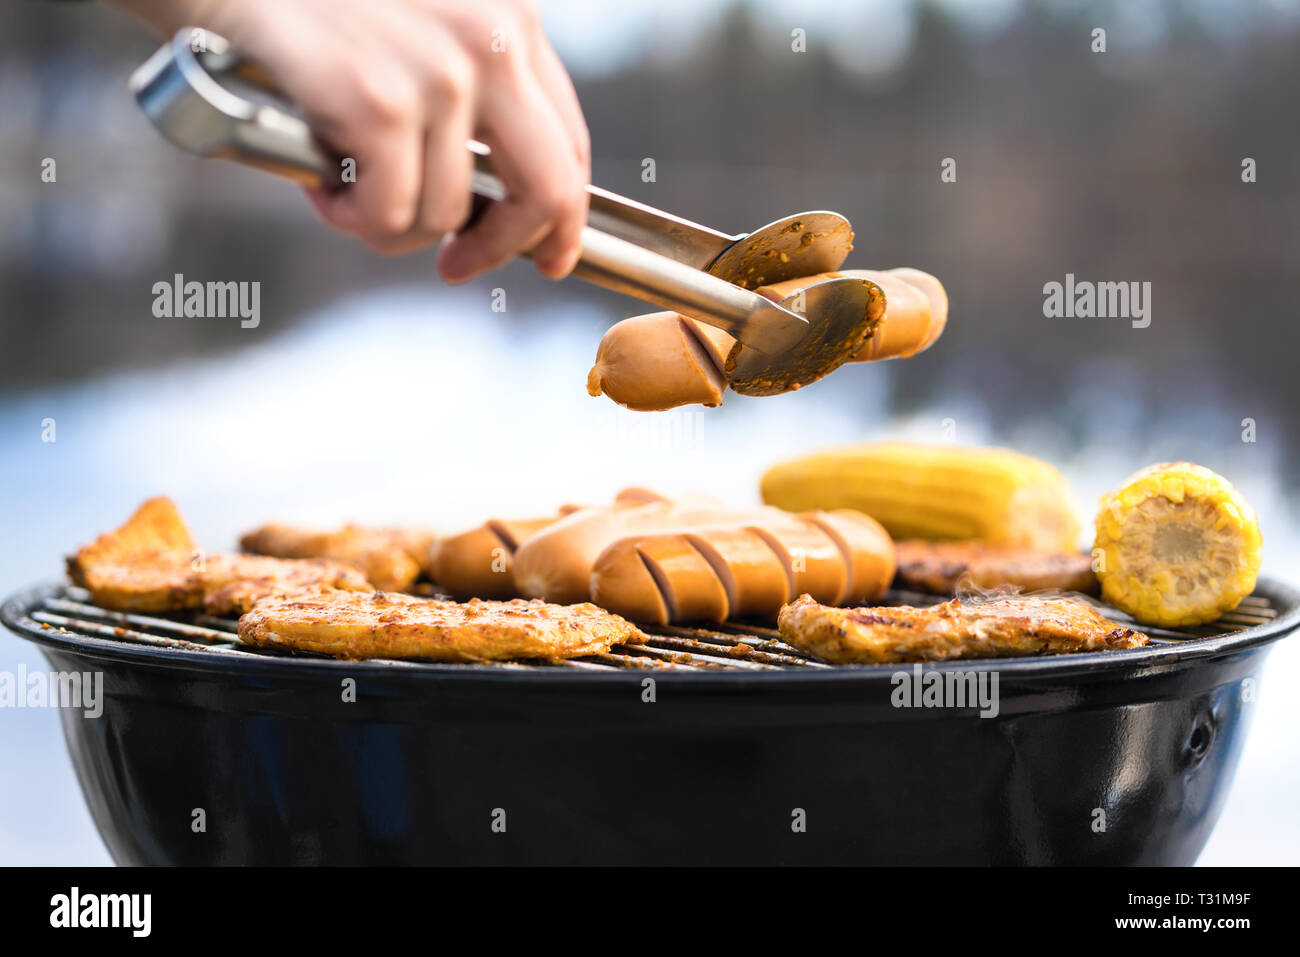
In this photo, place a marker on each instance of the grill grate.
(729, 645)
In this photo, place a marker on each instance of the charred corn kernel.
(1176, 545)
(935, 492)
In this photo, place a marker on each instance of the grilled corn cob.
(1176, 545)
(935, 492)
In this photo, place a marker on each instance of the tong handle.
(635, 271)
(615, 259)
(285, 145)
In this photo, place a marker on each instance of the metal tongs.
(207, 99)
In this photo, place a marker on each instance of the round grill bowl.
(1117, 758)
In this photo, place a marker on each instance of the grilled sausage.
(556, 563)
(477, 563)
(867, 548)
(756, 577)
(934, 291)
(916, 309)
(632, 495)
(657, 361)
(712, 573)
(663, 360)
(660, 578)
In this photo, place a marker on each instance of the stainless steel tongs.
(207, 99)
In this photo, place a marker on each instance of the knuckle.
(385, 98)
(557, 196)
(499, 62)
(446, 217)
(512, 14)
(502, 33)
(390, 220)
(451, 79)
(549, 201)
(527, 14)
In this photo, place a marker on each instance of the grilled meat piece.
(954, 629)
(385, 625)
(152, 564)
(390, 558)
(231, 583)
(943, 568)
(156, 532)
(220, 584)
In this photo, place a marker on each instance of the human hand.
(399, 86)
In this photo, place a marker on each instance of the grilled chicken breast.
(385, 625)
(390, 558)
(152, 564)
(231, 583)
(954, 629)
(156, 532)
(943, 568)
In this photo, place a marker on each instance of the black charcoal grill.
(702, 745)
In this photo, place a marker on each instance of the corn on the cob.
(1176, 545)
(935, 492)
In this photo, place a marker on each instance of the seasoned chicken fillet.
(232, 583)
(943, 568)
(386, 625)
(954, 629)
(390, 558)
(152, 564)
(155, 534)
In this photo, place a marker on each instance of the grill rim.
(16, 609)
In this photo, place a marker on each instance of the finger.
(558, 253)
(544, 190)
(559, 87)
(445, 79)
(321, 200)
(360, 112)
(445, 201)
(384, 134)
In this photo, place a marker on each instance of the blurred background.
(371, 392)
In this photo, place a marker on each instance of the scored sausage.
(478, 563)
(934, 291)
(643, 359)
(663, 360)
(555, 564)
(867, 548)
(712, 573)
(753, 575)
(908, 325)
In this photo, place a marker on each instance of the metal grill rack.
(730, 646)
